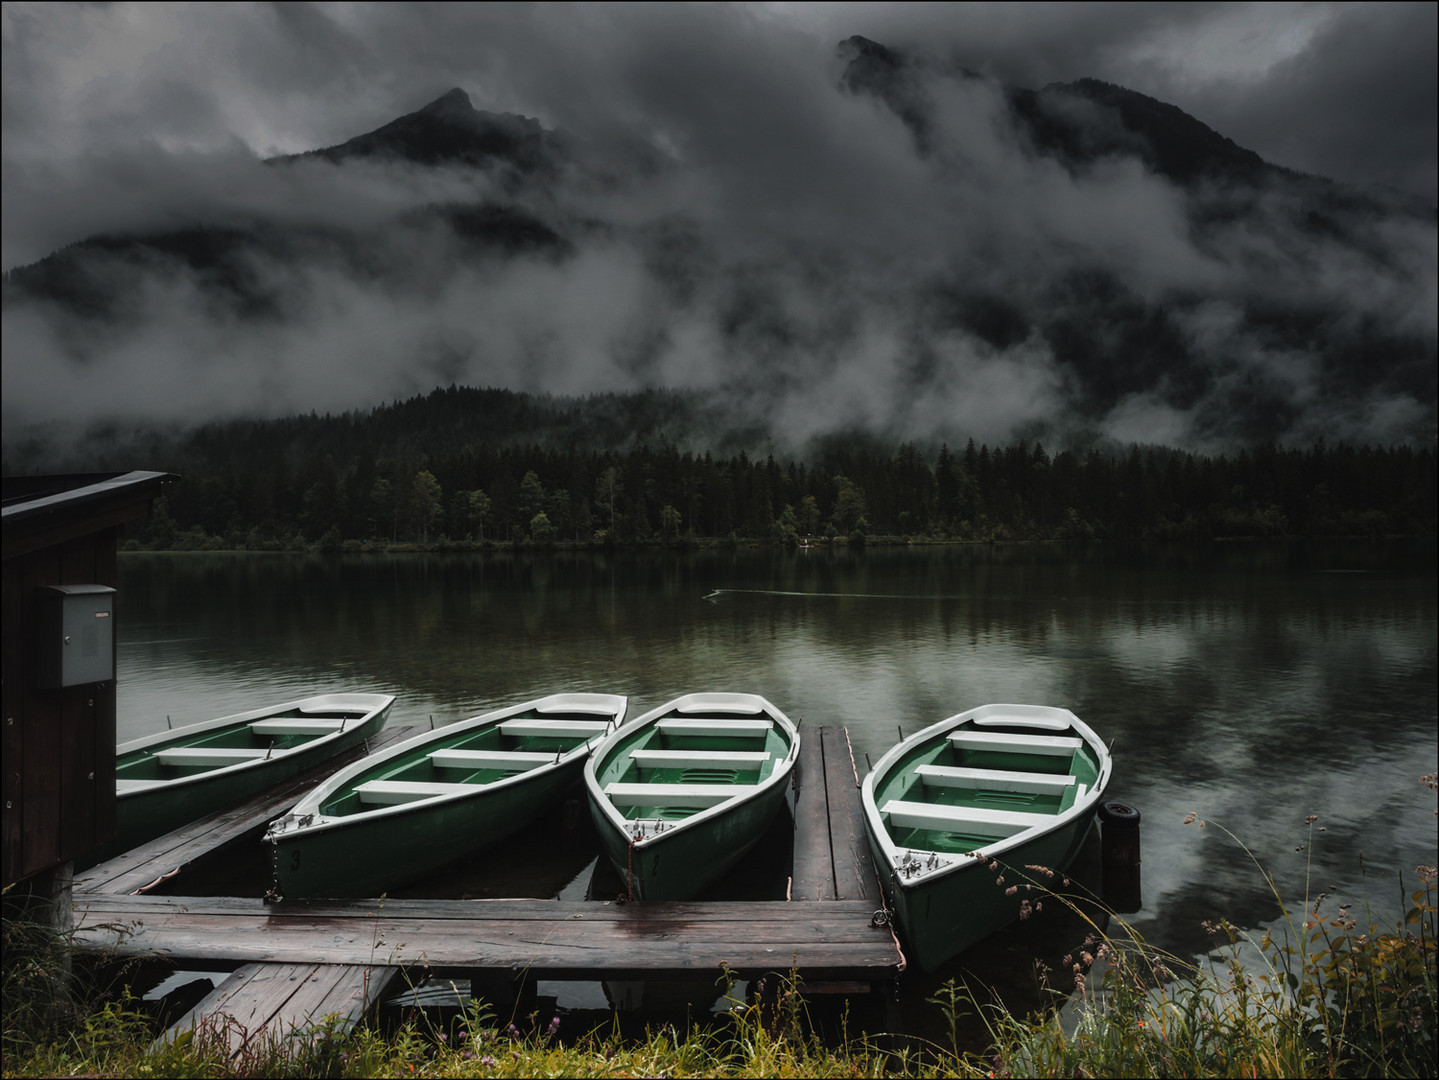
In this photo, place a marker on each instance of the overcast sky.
(818, 246)
(111, 107)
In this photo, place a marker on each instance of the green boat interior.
(234, 744)
(979, 786)
(472, 758)
(679, 765)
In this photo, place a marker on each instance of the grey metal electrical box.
(75, 641)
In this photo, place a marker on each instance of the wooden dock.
(825, 931)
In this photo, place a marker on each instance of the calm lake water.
(1253, 684)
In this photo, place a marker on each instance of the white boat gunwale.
(309, 805)
(1041, 717)
(739, 707)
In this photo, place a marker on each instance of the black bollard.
(1119, 856)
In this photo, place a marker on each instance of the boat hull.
(437, 798)
(679, 864)
(150, 812)
(973, 821)
(415, 841)
(658, 790)
(943, 917)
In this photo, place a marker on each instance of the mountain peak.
(450, 130)
(453, 102)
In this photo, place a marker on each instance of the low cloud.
(800, 250)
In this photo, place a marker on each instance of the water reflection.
(1253, 684)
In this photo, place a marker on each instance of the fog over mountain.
(869, 237)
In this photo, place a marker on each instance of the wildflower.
(1011, 890)
(554, 1025)
(1086, 958)
(1311, 819)
(994, 866)
(1024, 909)
(1190, 818)
(487, 1061)
(1426, 873)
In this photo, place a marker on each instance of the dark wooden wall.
(58, 745)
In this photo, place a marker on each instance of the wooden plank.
(215, 755)
(559, 939)
(396, 792)
(292, 725)
(994, 779)
(39, 801)
(854, 875)
(1003, 742)
(555, 728)
(521, 760)
(748, 760)
(273, 1002)
(812, 877)
(923, 815)
(15, 643)
(686, 795)
(717, 727)
(238, 1009)
(169, 853)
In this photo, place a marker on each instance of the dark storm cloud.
(1370, 82)
(796, 251)
(1346, 91)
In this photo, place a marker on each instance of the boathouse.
(60, 538)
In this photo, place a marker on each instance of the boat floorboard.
(825, 932)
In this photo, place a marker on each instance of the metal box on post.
(75, 635)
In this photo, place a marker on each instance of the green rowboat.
(682, 793)
(964, 814)
(431, 800)
(165, 780)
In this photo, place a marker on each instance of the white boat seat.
(393, 792)
(734, 728)
(215, 755)
(994, 780)
(582, 729)
(700, 759)
(1044, 723)
(1048, 745)
(123, 786)
(490, 759)
(570, 708)
(689, 795)
(298, 725)
(712, 709)
(922, 815)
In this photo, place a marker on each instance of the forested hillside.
(486, 466)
